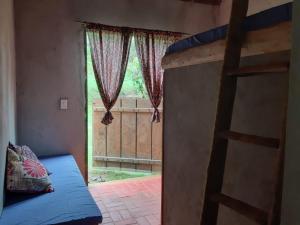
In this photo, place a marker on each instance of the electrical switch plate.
(63, 103)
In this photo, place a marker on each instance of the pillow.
(26, 175)
(26, 152)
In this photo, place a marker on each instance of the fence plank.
(127, 109)
(128, 160)
(114, 137)
(128, 148)
(99, 135)
(144, 134)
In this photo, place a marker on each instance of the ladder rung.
(260, 70)
(242, 208)
(253, 139)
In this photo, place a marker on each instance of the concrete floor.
(129, 202)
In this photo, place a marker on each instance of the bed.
(191, 90)
(70, 203)
(267, 32)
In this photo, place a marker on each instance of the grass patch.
(104, 175)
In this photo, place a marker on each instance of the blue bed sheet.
(70, 203)
(257, 21)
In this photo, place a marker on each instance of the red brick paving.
(129, 202)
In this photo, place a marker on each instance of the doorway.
(124, 158)
(131, 146)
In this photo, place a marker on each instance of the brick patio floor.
(128, 202)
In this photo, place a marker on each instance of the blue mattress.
(70, 203)
(258, 21)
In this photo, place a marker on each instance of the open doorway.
(132, 145)
(124, 157)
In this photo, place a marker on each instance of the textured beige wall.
(222, 12)
(189, 119)
(189, 108)
(50, 65)
(7, 85)
(172, 15)
(50, 61)
(291, 196)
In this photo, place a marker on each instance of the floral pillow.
(26, 175)
(26, 152)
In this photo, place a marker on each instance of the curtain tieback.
(108, 118)
(156, 116)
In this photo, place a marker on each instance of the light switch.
(63, 103)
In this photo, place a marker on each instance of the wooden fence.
(132, 141)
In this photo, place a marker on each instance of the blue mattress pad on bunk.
(257, 21)
(70, 203)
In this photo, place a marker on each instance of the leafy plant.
(133, 85)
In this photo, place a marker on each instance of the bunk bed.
(191, 95)
(267, 32)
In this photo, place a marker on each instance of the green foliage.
(133, 85)
(91, 82)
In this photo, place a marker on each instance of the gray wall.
(189, 111)
(188, 130)
(7, 85)
(172, 15)
(50, 65)
(50, 61)
(291, 197)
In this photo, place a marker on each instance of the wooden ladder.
(230, 72)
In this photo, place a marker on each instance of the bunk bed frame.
(273, 39)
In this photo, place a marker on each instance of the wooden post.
(291, 193)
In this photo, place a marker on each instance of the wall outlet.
(63, 104)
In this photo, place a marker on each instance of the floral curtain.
(109, 49)
(151, 47)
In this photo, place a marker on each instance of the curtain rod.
(137, 29)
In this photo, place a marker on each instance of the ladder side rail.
(225, 104)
